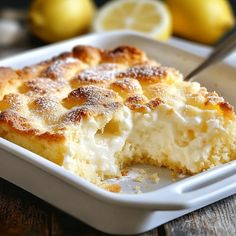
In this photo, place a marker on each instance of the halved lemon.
(151, 17)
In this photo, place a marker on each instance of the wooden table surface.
(22, 214)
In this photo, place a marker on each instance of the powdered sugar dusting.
(93, 95)
(47, 108)
(144, 72)
(44, 85)
(128, 85)
(13, 101)
(102, 73)
(55, 70)
(45, 104)
(90, 100)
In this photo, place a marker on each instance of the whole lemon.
(205, 21)
(55, 20)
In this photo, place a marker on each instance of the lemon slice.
(147, 16)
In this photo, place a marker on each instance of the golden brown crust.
(115, 188)
(11, 101)
(7, 79)
(87, 54)
(124, 55)
(145, 73)
(22, 126)
(42, 86)
(126, 87)
(63, 68)
(225, 106)
(6, 75)
(124, 71)
(32, 71)
(90, 101)
(137, 103)
(16, 122)
(98, 75)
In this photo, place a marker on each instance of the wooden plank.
(65, 225)
(21, 213)
(154, 232)
(217, 219)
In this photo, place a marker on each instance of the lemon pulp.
(147, 16)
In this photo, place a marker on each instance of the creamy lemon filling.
(184, 137)
(169, 137)
(93, 145)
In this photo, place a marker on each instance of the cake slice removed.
(96, 111)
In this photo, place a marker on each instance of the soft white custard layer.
(172, 138)
(94, 144)
(182, 138)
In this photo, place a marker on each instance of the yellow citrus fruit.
(55, 20)
(205, 21)
(147, 16)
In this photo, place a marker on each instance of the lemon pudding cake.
(96, 111)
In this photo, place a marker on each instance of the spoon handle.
(218, 54)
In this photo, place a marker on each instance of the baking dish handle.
(192, 192)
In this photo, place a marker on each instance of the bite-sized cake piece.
(96, 111)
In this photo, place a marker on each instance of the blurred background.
(26, 24)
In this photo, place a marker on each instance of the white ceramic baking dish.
(124, 213)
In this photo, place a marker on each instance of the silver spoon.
(222, 50)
